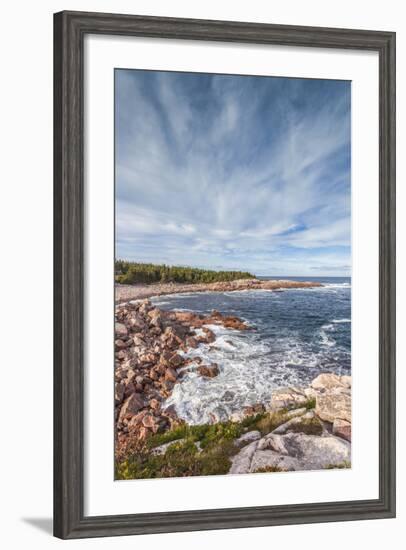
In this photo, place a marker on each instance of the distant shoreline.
(124, 293)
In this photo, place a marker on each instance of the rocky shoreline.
(148, 364)
(298, 429)
(125, 293)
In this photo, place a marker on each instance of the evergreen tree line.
(133, 272)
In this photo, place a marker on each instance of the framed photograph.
(224, 274)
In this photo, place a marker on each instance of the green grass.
(216, 443)
(183, 458)
(180, 459)
(308, 426)
(270, 421)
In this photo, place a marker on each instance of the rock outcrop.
(150, 346)
(293, 444)
(292, 451)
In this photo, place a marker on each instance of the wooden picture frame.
(69, 31)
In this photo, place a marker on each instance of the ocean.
(295, 335)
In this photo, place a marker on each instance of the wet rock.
(175, 360)
(191, 342)
(210, 371)
(186, 317)
(209, 335)
(170, 375)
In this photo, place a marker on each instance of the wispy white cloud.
(237, 172)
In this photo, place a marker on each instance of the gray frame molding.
(69, 30)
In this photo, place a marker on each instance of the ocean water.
(295, 335)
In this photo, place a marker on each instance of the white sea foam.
(325, 337)
(248, 373)
(253, 363)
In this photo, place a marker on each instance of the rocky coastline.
(148, 364)
(298, 429)
(125, 293)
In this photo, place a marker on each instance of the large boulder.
(241, 462)
(333, 405)
(289, 398)
(248, 437)
(292, 451)
(263, 460)
(328, 381)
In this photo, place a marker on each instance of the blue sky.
(233, 172)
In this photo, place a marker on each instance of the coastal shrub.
(205, 449)
(270, 422)
(308, 426)
(180, 432)
(206, 434)
(250, 422)
(310, 403)
(133, 272)
(180, 459)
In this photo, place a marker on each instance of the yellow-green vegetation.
(267, 469)
(206, 449)
(341, 466)
(269, 422)
(310, 403)
(133, 272)
(184, 457)
(308, 426)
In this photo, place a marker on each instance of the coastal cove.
(181, 364)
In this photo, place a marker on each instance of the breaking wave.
(295, 335)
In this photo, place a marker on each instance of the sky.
(233, 172)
